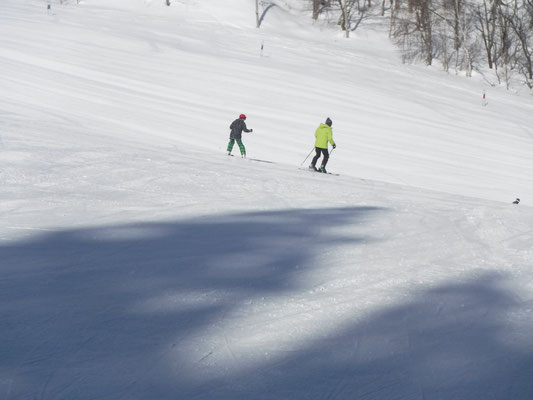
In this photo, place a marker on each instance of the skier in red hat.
(237, 127)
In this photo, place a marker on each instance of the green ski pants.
(239, 142)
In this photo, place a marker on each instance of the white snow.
(137, 261)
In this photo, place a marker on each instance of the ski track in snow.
(141, 262)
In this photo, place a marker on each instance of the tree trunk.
(316, 4)
(457, 25)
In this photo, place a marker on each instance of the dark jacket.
(237, 127)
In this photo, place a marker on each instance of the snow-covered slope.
(182, 73)
(137, 261)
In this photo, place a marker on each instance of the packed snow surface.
(138, 261)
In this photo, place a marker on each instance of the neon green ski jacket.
(324, 135)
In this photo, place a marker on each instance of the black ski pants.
(319, 152)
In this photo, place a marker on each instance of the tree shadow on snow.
(138, 312)
(463, 340)
(91, 313)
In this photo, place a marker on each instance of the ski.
(251, 159)
(261, 161)
(319, 172)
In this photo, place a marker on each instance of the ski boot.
(312, 167)
(323, 169)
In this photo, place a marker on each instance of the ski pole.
(307, 157)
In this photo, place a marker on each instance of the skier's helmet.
(329, 122)
(242, 116)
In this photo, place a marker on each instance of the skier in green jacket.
(323, 135)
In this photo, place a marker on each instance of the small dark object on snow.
(516, 201)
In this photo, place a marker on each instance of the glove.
(334, 146)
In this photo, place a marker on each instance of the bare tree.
(486, 14)
(466, 32)
(347, 7)
(520, 19)
(421, 9)
(504, 53)
(394, 11)
(316, 7)
(469, 51)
